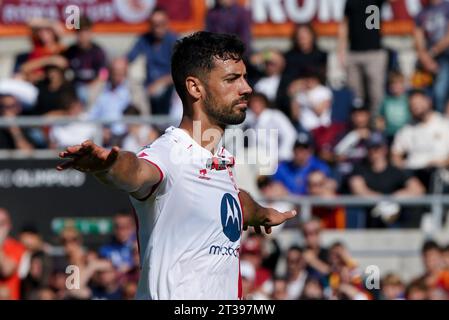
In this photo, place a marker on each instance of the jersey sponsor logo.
(231, 217)
(224, 251)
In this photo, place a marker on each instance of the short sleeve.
(358, 171)
(400, 143)
(348, 8)
(159, 155)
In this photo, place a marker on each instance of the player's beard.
(224, 114)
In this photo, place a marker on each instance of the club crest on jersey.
(231, 217)
(203, 174)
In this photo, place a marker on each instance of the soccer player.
(190, 212)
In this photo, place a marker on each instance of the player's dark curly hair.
(194, 56)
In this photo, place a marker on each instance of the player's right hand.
(88, 157)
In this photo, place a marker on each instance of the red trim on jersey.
(161, 177)
(240, 292)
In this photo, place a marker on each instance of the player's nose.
(246, 89)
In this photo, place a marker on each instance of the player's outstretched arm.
(120, 169)
(257, 216)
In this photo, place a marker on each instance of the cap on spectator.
(251, 246)
(304, 140)
(23, 91)
(376, 139)
(319, 95)
(247, 270)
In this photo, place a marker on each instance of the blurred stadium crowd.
(382, 133)
(30, 270)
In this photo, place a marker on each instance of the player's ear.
(193, 86)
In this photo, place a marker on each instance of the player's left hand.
(269, 217)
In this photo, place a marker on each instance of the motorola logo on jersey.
(231, 217)
(224, 251)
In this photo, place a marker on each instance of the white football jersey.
(189, 227)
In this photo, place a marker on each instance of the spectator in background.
(87, 262)
(435, 276)
(13, 260)
(417, 290)
(132, 275)
(280, 289)
(311, 102)
(157, 46)
(52, 90)
(138, 135)
(345, 280)
(47, 49)
(446, 257)
(104, 284)
(86, 59)
(394, 112)
(262, 117)
(318, 185)
(303, 54)
(352, 149)
(120, 249)
(13, 137)
(41, 266)
(74, 252)
(251, 250)
(316, 256)
(228, 16)
(129, 290)
(293, 174)
(271, 189)
(392, 287)
(431, 36)
(248, 274)
(72, 133)
(378, 177)
(43, 294)
(296, 272)
(366, 59)
(272, 63)
(115, 96)
(422, 145)
(313, 290)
